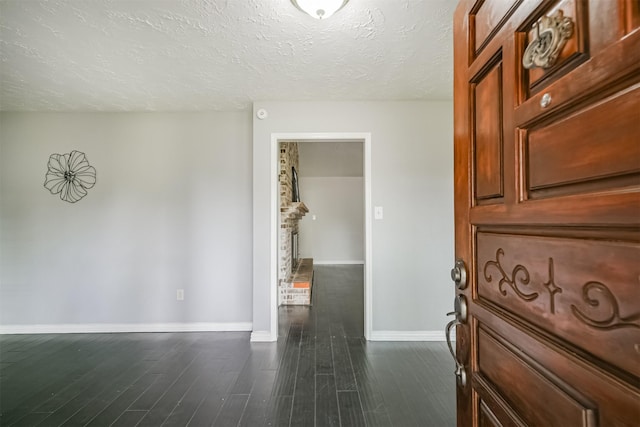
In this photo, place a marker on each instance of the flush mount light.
(319, 9)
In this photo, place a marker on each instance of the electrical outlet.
(378, 212)
(180, 294)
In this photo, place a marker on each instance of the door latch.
(460, 312)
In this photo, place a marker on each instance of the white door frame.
(276, 138)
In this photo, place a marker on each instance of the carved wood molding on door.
(607, 299)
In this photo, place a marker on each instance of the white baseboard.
(336, 262)
(262, 336)
(256, 336)
(408, 336)
(125, 327)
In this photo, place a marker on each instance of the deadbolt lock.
(459, 274)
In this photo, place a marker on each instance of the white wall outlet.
(378, 213)
(313, 217)
(180, 294)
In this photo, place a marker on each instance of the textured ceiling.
(177, 55)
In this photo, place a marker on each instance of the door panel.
(486, 20)
(583, 291)
(488, 138)
(498, 364)
(583, 147)
(614, 400)
(547, 207)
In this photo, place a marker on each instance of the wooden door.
(547, 211)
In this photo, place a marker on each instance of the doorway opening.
(276, 140)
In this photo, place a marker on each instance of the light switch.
(377, 212)
(313, 217)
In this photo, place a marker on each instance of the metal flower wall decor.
(70, 175)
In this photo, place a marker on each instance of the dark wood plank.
(172, 396)
(303, 411)
(129, 418)
(257, 407)
(79, 393)
(31, 419)
(350, 409)
(279, 411)
(98, 395)
(32, 381)
(324, 357)
(170, 369)
(114, 409)
(16, 342)
(398, 409)
(210, 405)
(210, 380)
(326, 401)
(184, 410)
(369, 389)
(96, 402)
(345, 379)
(286, 378)
(231, 410)
(252, 367)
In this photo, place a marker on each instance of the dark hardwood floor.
(321, 372)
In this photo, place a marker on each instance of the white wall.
(171, 209)
(337, 234)
(412, 178)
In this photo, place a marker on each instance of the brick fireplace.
(294, 281)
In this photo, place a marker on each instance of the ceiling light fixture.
(319, 9)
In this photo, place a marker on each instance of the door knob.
(460, 305)
(459, 274)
